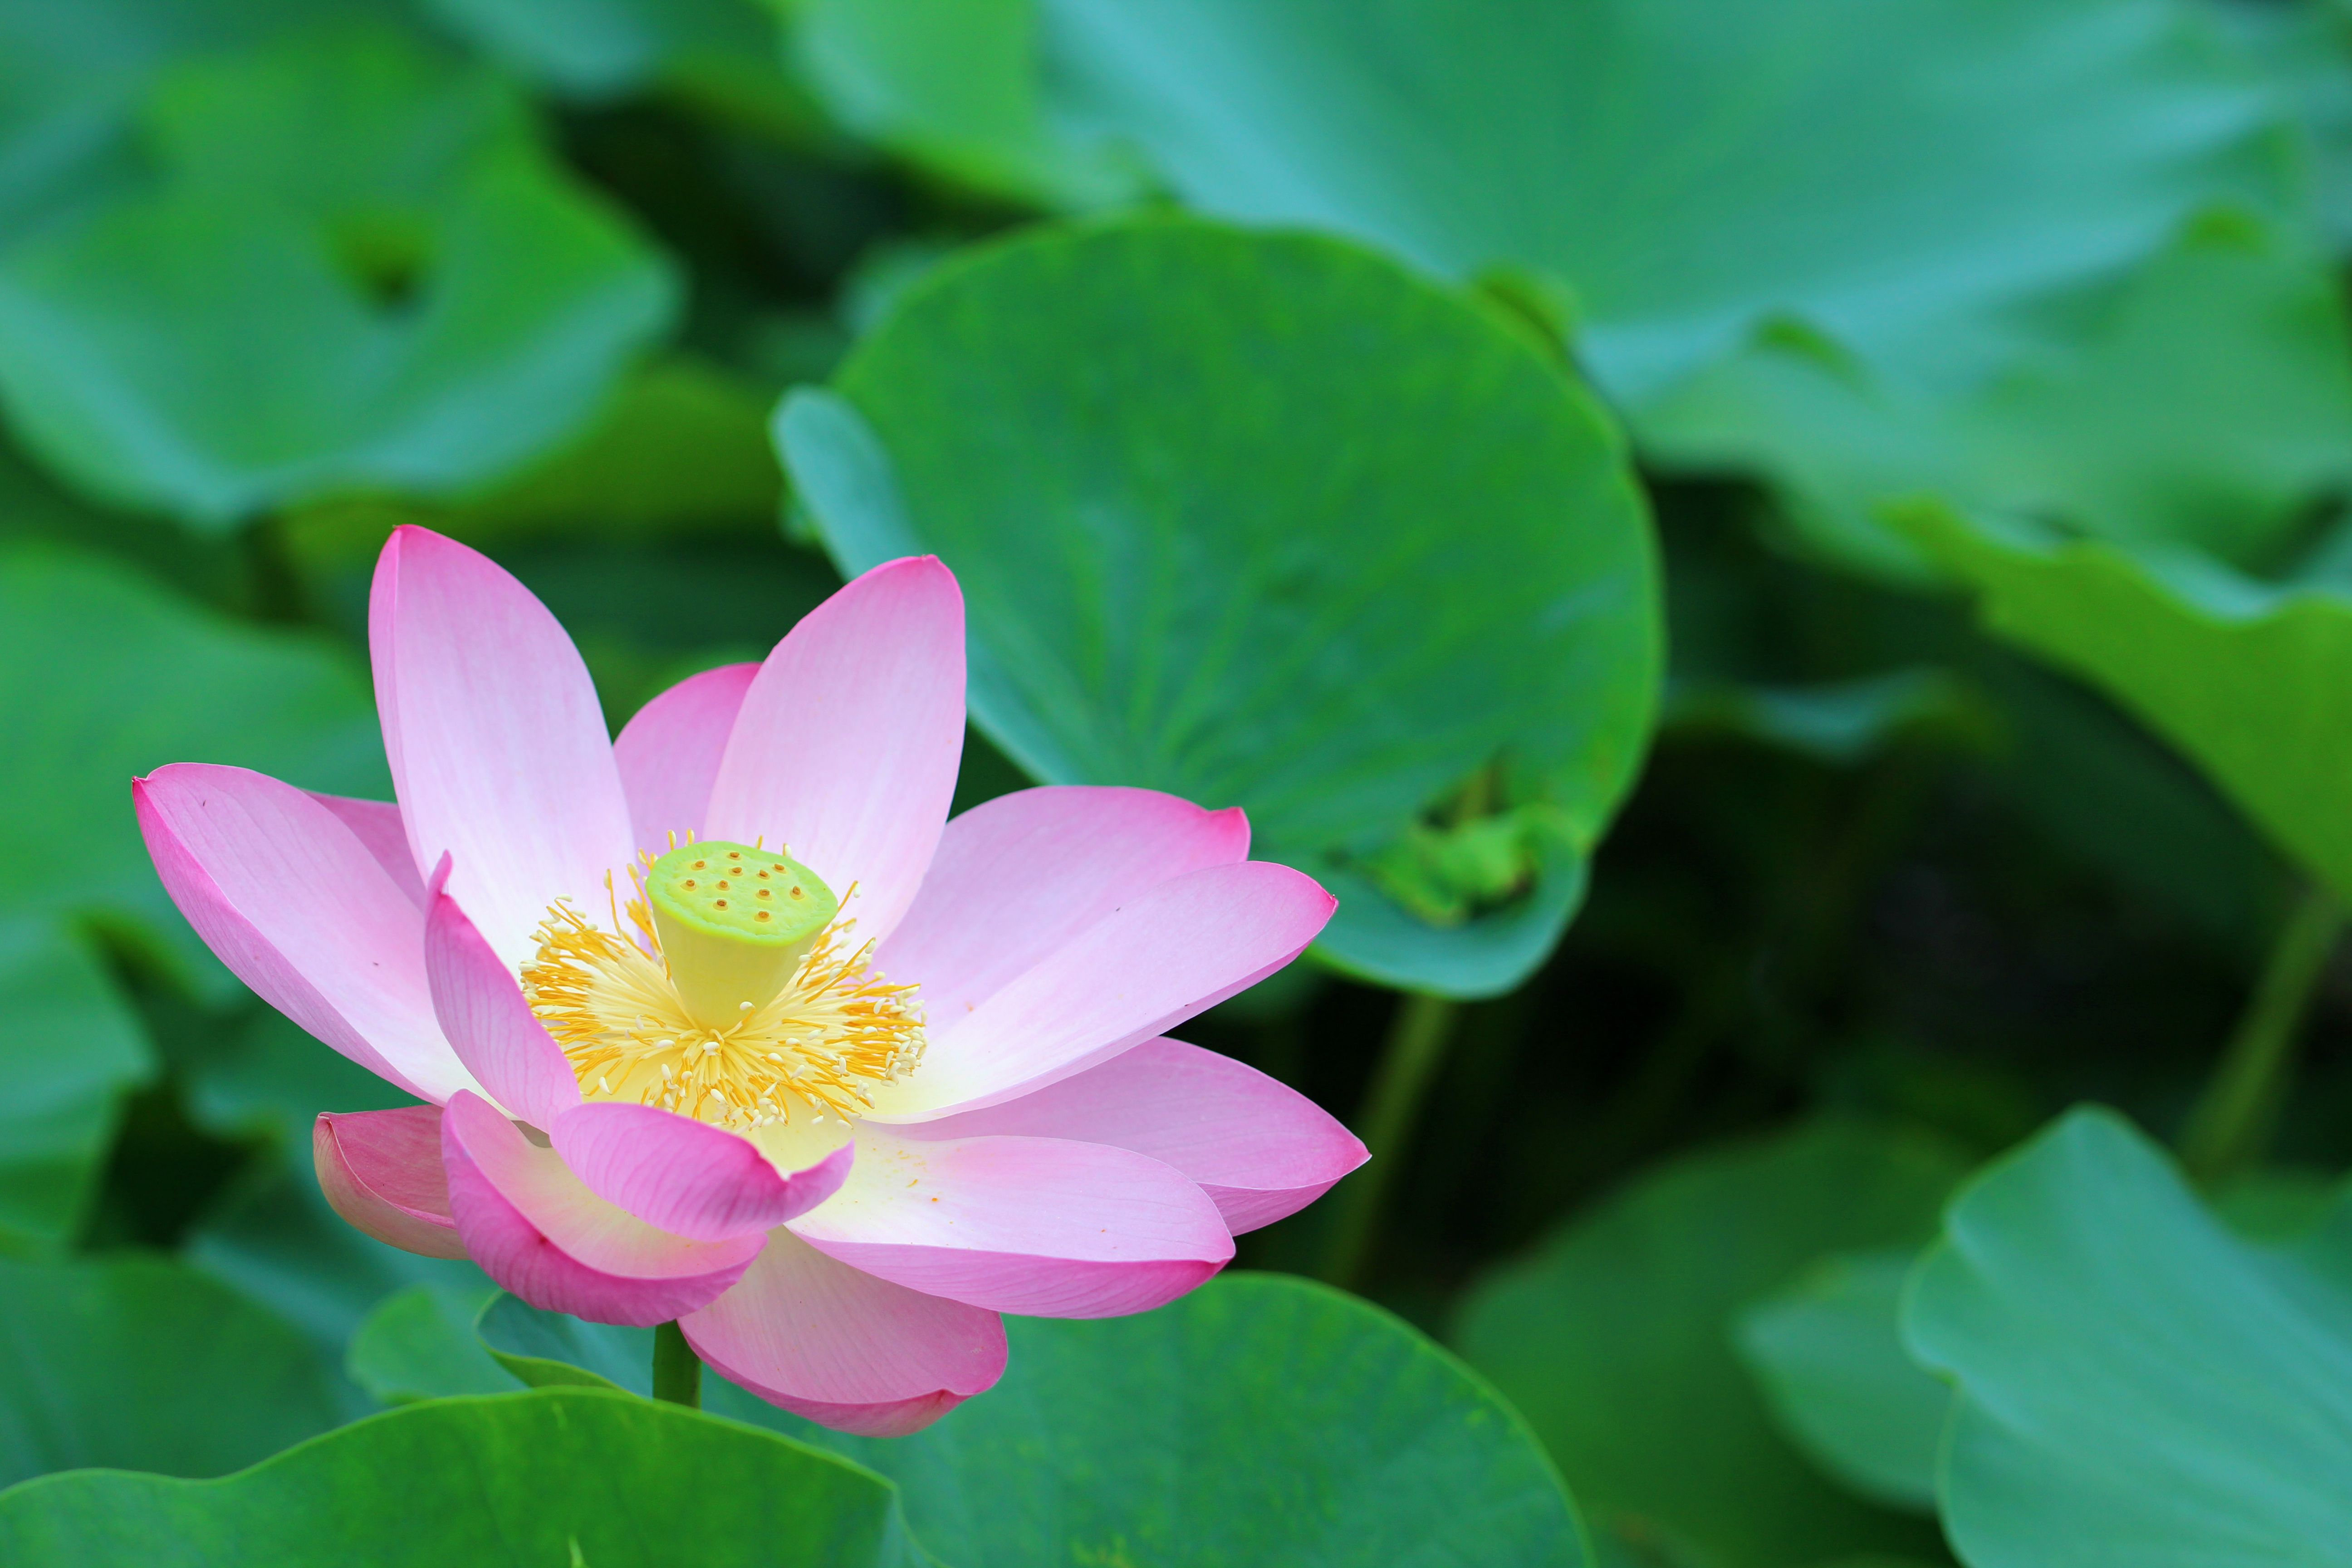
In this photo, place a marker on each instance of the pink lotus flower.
(834, 1149)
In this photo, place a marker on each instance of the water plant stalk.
(678, 1371)
(2230, 1126)
(1408, 1061)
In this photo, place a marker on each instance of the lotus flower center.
(739, 999)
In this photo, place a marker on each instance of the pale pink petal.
(846, 749)
(668, 754)
(858, 1353)
(380, 1169)
(482, 1011)
(540, 1233)
(684, 1175)
(1259, 1149)
(376, 823)
(1038, 1226)
(1176, 948)
(1023, 874)
(497, 747)
(301, 911)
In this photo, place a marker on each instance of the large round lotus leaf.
(578, 1477)
(140, 1363)
(1616, 1339)
(2135, 1384)
(1957, 194)
(2251, 682)
(356, 269)
(1265, 521)
(1260, 1419)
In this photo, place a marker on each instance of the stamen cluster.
(608, 1001)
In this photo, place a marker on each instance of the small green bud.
(734, 923)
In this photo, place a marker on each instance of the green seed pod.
(734, 923)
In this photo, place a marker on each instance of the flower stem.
(1409, 1060)
(678, 1371)
(2230, 1126)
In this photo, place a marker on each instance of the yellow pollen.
(837, 1027)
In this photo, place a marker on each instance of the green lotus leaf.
(1267, 520)
(2136, 1383)
(404, 294)
(1616, 1337)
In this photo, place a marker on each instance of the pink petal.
(376, 823)
(1259, 1149)
(497, 747)
(846, 749)
(684, 1175)
(856, 1353)
(482, 1011)
(380, 1169)
(1169, 952)
(540, 1233)
(1024, 873)
(1040, 1226)
(301, 911)
(668, 754)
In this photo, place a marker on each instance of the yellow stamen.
(834, 1027)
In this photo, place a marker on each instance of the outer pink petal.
(482, 1011)
(846, 746)
(1186, 944)
(536, 1231)
(380, 1169)
(684, 1175)
(301, 912)
(1023, 874)
(1259, 1149)
(376, 823)
(668, 754)
(497, 747)
(858, 1353)
(1040, 1226)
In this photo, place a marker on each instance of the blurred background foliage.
(1787, 560)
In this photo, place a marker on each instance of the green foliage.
(1828, 1355)
(956, 86)
(1989, 275)
(140, 1364)
(1299, 1404)
(2204, 398)
(1845, 721)
(1616, 1339)
(419, 1343)
(2136, 1383)
(603, 49)
(406, 295)
(576, 1475)
(1233, 353)
(2253, 682)
(68, 1053)
(1300, 1407)
(109, 677)
(146, 681)
(1224, 559)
